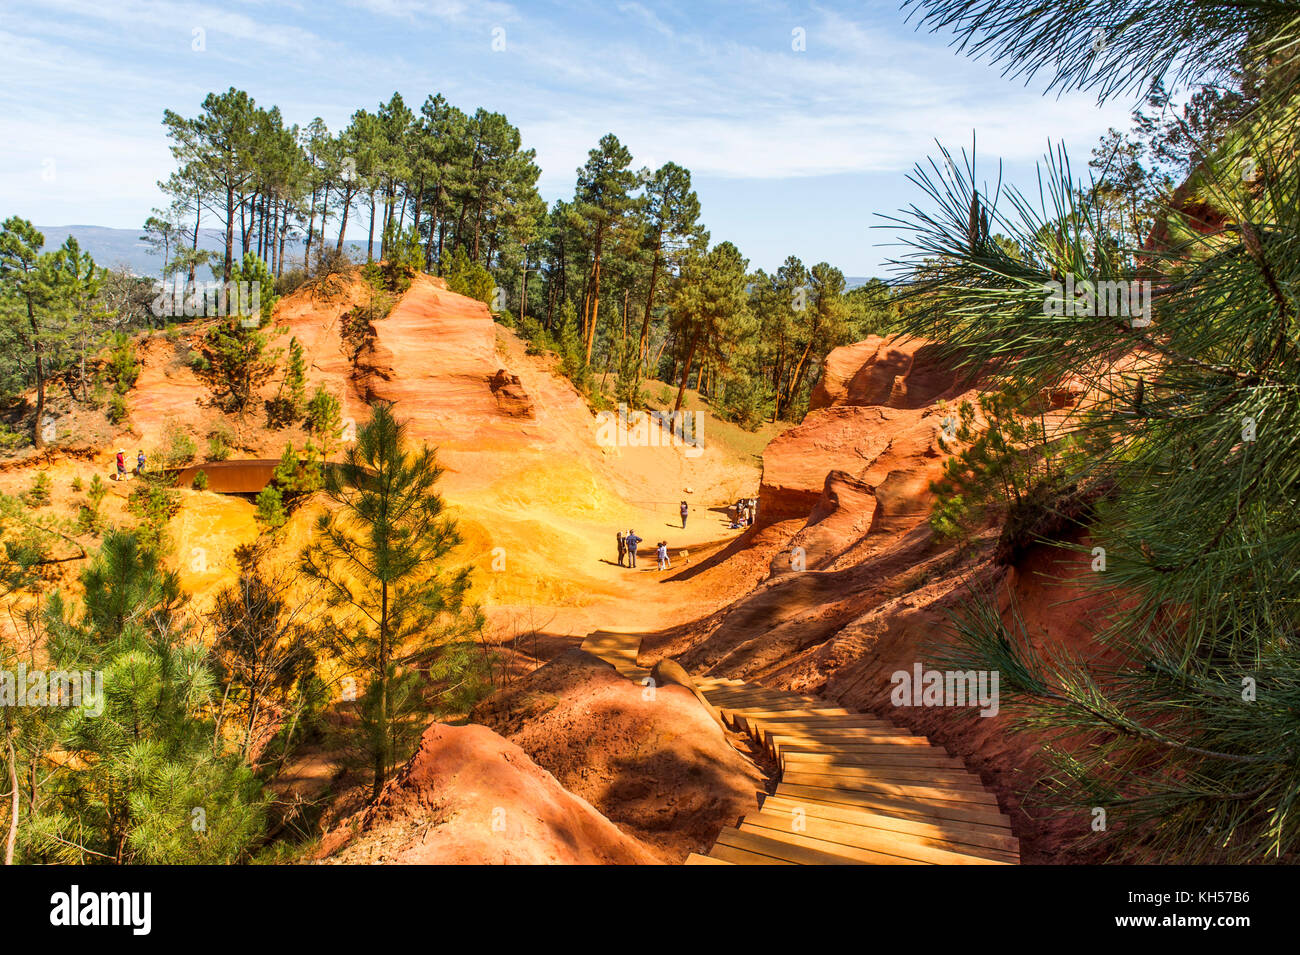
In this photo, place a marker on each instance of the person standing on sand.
(139, 462)
(685, 510)
(121, 463)
(632, 540)
(661, 552)
(622, 548)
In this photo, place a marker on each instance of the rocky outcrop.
(651, 758)
(894, 373)
(875, 418)
(511, 397)
(843, 515)
(470, 797)
(894, 450)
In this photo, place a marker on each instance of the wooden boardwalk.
(854, 789)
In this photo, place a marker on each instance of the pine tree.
(603, 197)
(380, 555)
(710, 308)
(145, 784)
(23, 274)
(1191, 453)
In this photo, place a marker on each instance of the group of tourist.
(627, 545)
(742, 514)
(120, 461)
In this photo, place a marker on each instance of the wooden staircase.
(854, 789)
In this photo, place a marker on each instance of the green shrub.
(324, 413)
(98, 491)
(178, 446)
(220, 440)
(154, 501)
(270, 507)
(87, 520)
(123, 367)
(38, 494)
(117, 408)
(469, 278)
(10, 439)
(200, 482)
(286, 406)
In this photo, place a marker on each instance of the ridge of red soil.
(469, 797)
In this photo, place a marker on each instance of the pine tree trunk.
(381, 753)
(38, 361)
(284, 231)
(649, 307)
(370, 247)
(311, 228)
(686, 371)
(343, 226)
(595, 296)
(230, 233)
(798, 374)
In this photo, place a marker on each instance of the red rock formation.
(655, 763)
(470, 797)
(894, 450)
(896, 373)
(845, 513)
(510, 394)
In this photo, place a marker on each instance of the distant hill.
(114, 248)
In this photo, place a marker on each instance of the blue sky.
(792, 151)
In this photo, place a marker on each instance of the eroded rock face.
(895, 373)
(654, 762)
(875, 416)
(844, 513)
(511, 397)
(894, 450)
(433, 355)
(470, 797)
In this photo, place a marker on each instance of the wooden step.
(797, 842)
(953, 779)
(899, 844)
(970, 837)
(696, 859)
(761, 712)
(846, 728)
(879, 787)
(869, 741)
(730, 854)
(773, 846)
(909, 807)
(903, 757)
(729, 699)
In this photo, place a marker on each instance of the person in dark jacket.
(622, 547)
(685, 510)
(632, 540)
